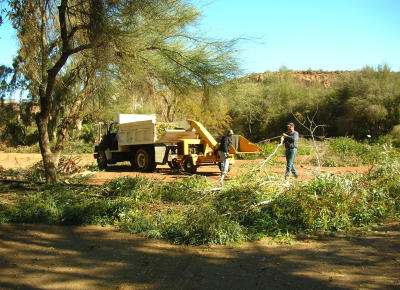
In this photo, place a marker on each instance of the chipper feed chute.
(242, 145)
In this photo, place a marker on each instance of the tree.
(4, 75)
(135, 41)
(368, 102)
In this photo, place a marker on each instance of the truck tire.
(132, 160)
(188, 165)
(102, 160)
(144, 160)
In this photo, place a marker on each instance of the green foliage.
(357, 103)
(368, 102)
(345, 151)
(15, 134)
(192, 213)
(77, 147)
(88, 133)
(262, 109)
(70, 147)
(396, 131)
(191, 226)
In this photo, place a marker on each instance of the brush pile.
(69, 165)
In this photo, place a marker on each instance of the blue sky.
(298, 34)
(303, 34)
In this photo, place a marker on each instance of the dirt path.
(163, 172)
(61, 257)
(26, 160)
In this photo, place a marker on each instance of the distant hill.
(326, 78)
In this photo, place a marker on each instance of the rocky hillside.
(326, 78)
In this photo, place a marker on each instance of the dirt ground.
(61, 257)
(94, 257)
(163, 172)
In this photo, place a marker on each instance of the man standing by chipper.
(223, 152)
(291, 138)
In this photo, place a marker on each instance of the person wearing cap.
(290, 139)
(223, 152)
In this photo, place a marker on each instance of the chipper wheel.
(188, 165)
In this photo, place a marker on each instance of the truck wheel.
(174, 164)
(144, 160)
(102, 160)
(188, 165)
(132, 161)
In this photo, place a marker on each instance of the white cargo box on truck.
(136, 133)
(138, 129)
(129, 118)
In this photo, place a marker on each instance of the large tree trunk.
(50, 160)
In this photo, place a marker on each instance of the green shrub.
(88, 133)
(182, 192)
(77, 147)
(134, 188)
(14, 133)
(344, 151)
(395, 132)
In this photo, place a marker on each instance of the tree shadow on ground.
(41, 256)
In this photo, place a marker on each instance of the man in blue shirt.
(291, 138)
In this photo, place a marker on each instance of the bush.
(88, 133)
(344, 151)
(14, 133)
(396, 131)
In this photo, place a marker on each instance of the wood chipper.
(192, 153)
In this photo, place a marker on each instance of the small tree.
(311, 126)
